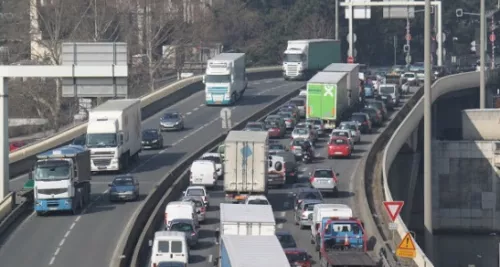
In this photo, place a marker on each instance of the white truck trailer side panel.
(252, 251)
(352, 76)
(245, 169)
(240, 219)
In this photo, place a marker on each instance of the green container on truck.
(304, 58)
(352, 71)
(327, 97)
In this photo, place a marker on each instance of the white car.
(303, 93)
(197, 191)
(216, 158)
(411, 77)
(257, 200)
(353, 127)
(304, 133)
(344, 133)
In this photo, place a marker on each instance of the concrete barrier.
(7, 205)
(133, 251)
(21, 161)
(402, 133)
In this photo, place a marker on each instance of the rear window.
(310, 207)
(182, 227)
(386, 89)
(358, 117)
(272, 124)
(195, 192)
(296, 256)
(301, 131)
(177, 247)
(323, 173)
(298, 102)
(258, 202)
(340, 133)
(338, 141)
(285, 114)
(369, 111)
(347, 127)
(297, 142)
(275, 147)
(163, 246)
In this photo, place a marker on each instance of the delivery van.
(169, 246)
(180, 210)
(324, 211)
(204, 172)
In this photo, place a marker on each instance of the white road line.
(57, 251)
(62, 242)
(210, 258)
(52, 260)
(195, 109)
(202, 105)
(189, 113)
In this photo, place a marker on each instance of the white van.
(392, 90)
(326, 211)
(169, 246)
(180, 210)
(216, 158)
(203, 172)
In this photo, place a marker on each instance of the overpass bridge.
(464, 225)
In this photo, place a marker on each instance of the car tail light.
(311, 180)
(202, 209)
(166, 220)
(335, 179)
(154, 265)
(365, 122)
(193, 233)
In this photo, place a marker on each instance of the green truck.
(328, 97)
(304, 58)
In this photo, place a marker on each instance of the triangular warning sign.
(393, 208)
(407, 243)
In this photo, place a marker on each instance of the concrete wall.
(465, 186)
(481, 124)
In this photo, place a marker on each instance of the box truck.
(251, 251)
(327, 97)
(304, 58)
(245, 165)
(238, 219)
(225, 79)
(61, 180)
(114, 134)
(352, 71)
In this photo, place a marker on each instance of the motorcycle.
(306, 158)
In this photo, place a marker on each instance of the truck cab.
(295, 60)
(104, 140)
(225, 79)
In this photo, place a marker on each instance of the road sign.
(393, 226)
(398, 12)
(406, 248)
(354, 38)
(492, 37)
(393, 208)
(408, 37)
(350, 60)
(408, 59)
(225, 115)
(406, 48)
(359, 12)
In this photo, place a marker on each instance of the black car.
(374, 117)
(286, 239)
(363, 120)
(387, 100)
(152, 139)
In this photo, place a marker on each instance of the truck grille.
(292, 71)
(103, 153)
(52, 191)
(101, 162)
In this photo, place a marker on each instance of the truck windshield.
(101, 140)
(217, 78)
(52, 170)
(292, 58)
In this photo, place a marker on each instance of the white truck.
(114, 134)
(239, 219)
(352, 71)
(62, 180)
(251, 251)
(245, 165)
(225, 79)
(303, 58)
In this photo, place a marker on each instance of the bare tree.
(102, 20)
(316, 26)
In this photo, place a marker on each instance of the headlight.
(155, 141)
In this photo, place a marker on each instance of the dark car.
(387, 100)
(80, 140)
(275, 129)
(378, 105)
(298, 257)
(124, 188)
(152, 139)
(375, 117)
(306, 193)
(172, 121)
(363, 120)
(286, 239)
(291, 166)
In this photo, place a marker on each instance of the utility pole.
(492, 39)
(395, 45)
(408, 37)
(482, 57)
(337, 19)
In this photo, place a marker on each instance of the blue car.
(369, 91)
(124, 188)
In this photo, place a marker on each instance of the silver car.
(201, 209)
(289, 119)
(325, 180)
(303, 210)
(300, 102)
(353, 127)
(304, 133)
(172, 121)
(187, 227)
(317, 125)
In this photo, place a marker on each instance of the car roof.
(210, 154)
(338, 137)
(283, 232)
(196, 187)
(292, 250)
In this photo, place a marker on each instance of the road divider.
(22, 160)
(133, 250)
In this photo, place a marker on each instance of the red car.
(15, 145)
(339, 146)
(298, 257)
(274, 130)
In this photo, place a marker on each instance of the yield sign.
(393, 208)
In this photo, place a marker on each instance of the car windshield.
(309, 195)
(296, 256)
(386, 89)
(101, 140)
(195, 192)
(52, 170)
(80, 140)
(182, 227)
(258, 202)
(123, 181)
(276, 147)
(149, 134)
(287, 241)
(300, 131)
(170, 116)
(338, 141)
(215, 159)
(323, 173)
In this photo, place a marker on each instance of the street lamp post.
(482, 57)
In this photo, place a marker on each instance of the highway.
(89, 239)
(281, 201)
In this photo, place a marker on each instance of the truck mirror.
(203, 79)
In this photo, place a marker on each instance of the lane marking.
(195, 109)
(189, 113)
(210, 258)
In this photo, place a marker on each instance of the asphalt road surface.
(281, 201)
(90, 239)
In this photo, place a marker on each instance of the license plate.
(338, 153)
(147, 146)
(384, 97)
(102, 168)
(323, 181)
(52, 208)
(198, 180)
(269, 180)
